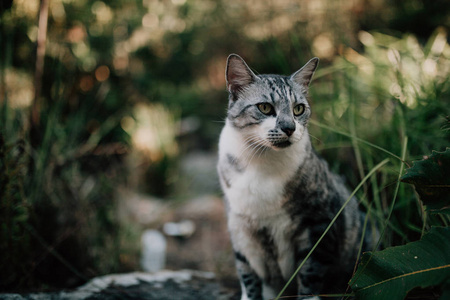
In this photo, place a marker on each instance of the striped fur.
(280, 194)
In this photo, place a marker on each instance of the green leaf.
(391, 273)
(445, 291)
(431, 179)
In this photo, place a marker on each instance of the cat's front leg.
(312, 276)
(310, 280)
(251, 284)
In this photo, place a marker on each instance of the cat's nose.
(288, 128)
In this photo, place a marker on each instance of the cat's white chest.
(255, 192)
(258, 188)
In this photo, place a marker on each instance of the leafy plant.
(393, 272)
(431, 178)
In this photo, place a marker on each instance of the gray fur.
(280, 194)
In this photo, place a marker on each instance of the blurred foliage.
(395, 88)
(14, 210)
(130, 86)
(431, 180)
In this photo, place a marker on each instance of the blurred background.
(110, 113)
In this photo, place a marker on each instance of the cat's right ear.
(238, 75)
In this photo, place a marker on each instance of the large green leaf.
(391, 273)
(431, 178)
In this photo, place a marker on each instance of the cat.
(280, 195)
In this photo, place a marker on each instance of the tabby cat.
(280, 194)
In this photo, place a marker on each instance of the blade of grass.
(366, 219)
(375, 186)
(424, 218)
(443, 219)
(378, 166)
(358, 139)
(386, 223)
(352, 126)
(402, 166)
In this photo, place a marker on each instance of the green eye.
(265, 108)
(299, 109)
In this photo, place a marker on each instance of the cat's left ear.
(304, 75)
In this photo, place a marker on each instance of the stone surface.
(164, 285)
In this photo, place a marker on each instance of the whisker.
(219, 121)
(249, 141)
(254, 150)
(263, 151)
(257, 149)
(247, 147)
(261, 146)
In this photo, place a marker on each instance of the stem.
(40, 55)
(405, 143)
(352, 125)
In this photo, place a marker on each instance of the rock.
(163, 285)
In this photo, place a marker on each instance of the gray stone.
(163, 285)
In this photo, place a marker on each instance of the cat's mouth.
(282, 145)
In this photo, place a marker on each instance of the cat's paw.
(244, 297)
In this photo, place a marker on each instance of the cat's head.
(269, 110)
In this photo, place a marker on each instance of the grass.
(57, 189)
(60, 205)
(365, 105)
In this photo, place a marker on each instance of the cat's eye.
(265, 108)
(299, 109)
